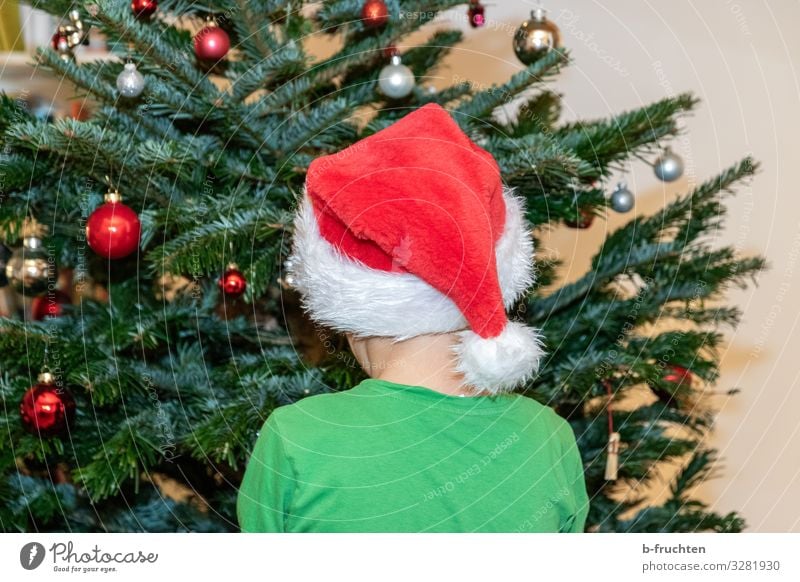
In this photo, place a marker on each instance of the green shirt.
(385, 457)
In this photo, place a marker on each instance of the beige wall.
(740, 58)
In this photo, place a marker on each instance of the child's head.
(410, 231)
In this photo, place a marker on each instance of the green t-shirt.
(385, 457)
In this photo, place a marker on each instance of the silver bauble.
(669, 167)
(536, 37)
(621, 198)
(130, 82)
(396, 80)
(31, 269)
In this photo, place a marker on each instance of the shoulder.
(543, 413)
(548, 421)
(318, 407)
(316, 416)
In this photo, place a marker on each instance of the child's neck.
(425, 360)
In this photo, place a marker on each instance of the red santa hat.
(411, 231)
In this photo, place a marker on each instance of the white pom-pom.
(501, 363)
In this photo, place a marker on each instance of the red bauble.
(47, 409)
(113, 229)
(49, 305)
(144, 9)
(374, 13)
(678, 375)
(584, 220)
(57, 38)
(233, 284)
(476, 16)
(211, 43)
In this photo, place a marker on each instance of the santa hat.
(411, 231)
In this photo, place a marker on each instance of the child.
(409, 243)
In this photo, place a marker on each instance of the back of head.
(410, 231)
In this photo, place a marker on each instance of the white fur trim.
(501, 363)
(347, 295)
(514, 250)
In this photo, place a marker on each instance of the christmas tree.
(160, 318)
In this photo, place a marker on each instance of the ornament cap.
(231, 266)
(539, 14)
(46, 378)
(396, 60)
(32, 242)
(113, 196)
(130, 66)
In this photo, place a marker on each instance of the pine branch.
(639, 243)
(137, 446)
(256, 40)
(165, 45)
(285, 62)
(484, 102)
(317, 127)
(198, 250)
(606, 142)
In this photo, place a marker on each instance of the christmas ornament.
(47, 409)
(287, 280)
(536, 37)
(622, 198)
(678, 375)
(61, 45)
(612, 458)
(233, 284)
(396, 80)
(76, 32)
(144, 9)
(130, 82)
(612, 450)
(584, 219)
(5, 254)
(374, 13)
(668, 167)
(475, 14)
(113, 229)
(211, 43)
(70, 35)
(58, 40)
(49, 305)
(30, 268)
